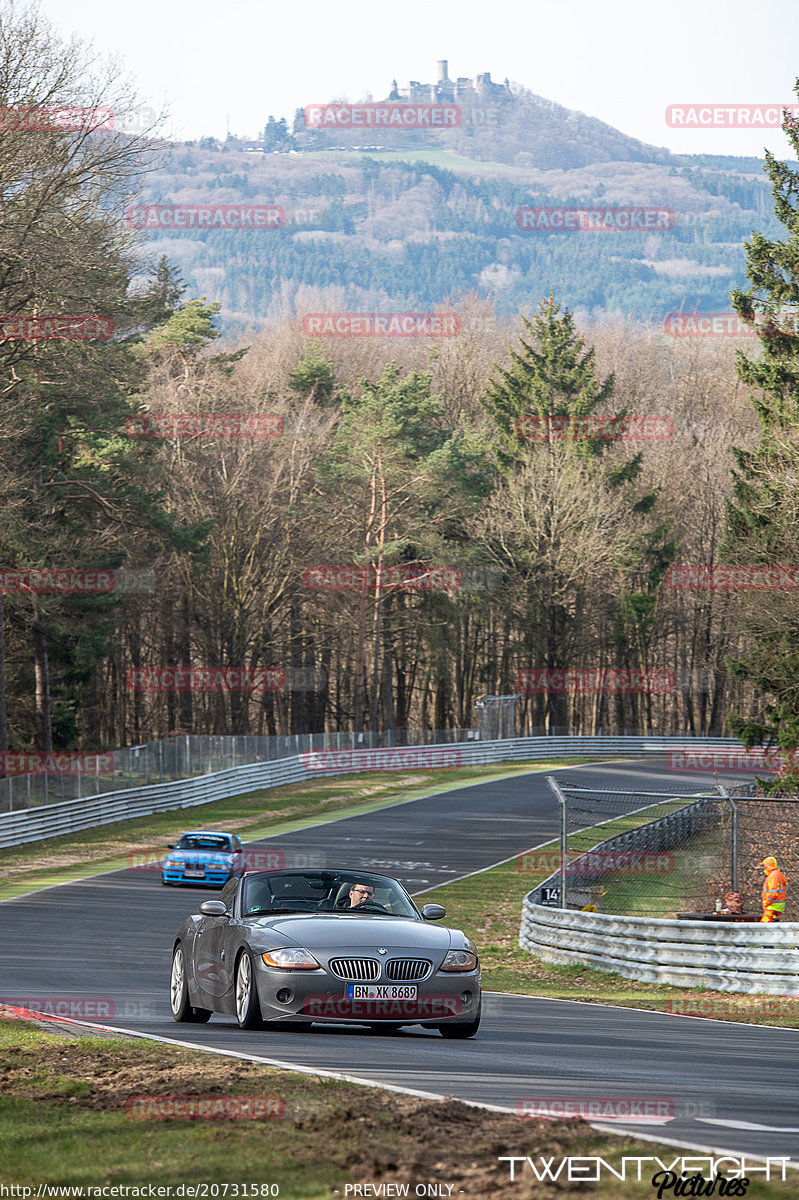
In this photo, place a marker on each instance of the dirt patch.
(371, 1135)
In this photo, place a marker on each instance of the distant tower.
(442, 65)
(394, 93)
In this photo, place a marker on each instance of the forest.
(271, 532)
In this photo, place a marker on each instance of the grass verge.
(70, 1110)
(259, 814)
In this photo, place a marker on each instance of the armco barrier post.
(553, 783)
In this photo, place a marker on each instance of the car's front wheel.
(248, 1010)
(182, 1008)
(461, 1029)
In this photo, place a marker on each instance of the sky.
(215, 66)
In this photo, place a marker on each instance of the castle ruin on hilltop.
(476, 89)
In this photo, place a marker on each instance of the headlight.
(175, 862)
(459, 960)
(291, 959)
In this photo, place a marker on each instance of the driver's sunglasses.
(365, 891)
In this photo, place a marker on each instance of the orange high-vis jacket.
(774, 891)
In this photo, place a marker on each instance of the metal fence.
(84, 775)
(26, 823)
(668, 853)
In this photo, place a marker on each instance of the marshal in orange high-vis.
(774, 891)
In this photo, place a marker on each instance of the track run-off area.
(109, 939)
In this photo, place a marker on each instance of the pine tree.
(762, 517)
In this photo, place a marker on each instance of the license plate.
(194, 874)
(376, 991)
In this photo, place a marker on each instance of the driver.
(360, 893)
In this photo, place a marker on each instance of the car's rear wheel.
(182, 1008)
(248, 1010)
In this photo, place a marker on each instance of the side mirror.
(170, 845)
(433, 912)
(213, 908)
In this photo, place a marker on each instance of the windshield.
(351, 893)
(204, 841)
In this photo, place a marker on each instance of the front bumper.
(212, 878)
(444, 998)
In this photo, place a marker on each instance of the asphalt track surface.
(108, 939)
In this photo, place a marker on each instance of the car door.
(211, 952)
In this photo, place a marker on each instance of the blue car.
(203, 856)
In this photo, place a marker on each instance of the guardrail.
(52, 820)
(729, 958)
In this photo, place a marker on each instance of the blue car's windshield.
(351, 893)
(200, 841)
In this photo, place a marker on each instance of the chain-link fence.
(658, 854)
(68, 775)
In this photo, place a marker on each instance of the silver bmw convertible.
(343, 946)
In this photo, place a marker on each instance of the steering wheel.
(371, 904)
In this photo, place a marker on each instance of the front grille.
(408, 968)
(355, 968)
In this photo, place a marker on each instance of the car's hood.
(207, 857)
(342, 933)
